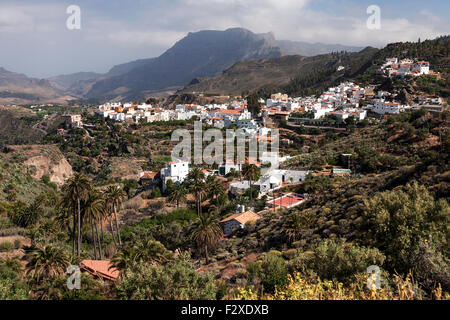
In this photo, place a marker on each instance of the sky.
(35, 40)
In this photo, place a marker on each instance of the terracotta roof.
(100, 268)
(226, 111)
(242, 217)
(286, 201)
(235, 112)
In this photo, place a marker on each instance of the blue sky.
(35, 40)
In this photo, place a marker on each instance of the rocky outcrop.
(44, 160)
(58, 172)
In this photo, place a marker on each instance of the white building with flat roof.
(177, 171)
(383, 107)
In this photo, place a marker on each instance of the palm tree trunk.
(198, 203)
(102, 231)
(99, 243)
(251, 191)
(95, 241)
(79, 228)
(117, 225)
(73, 232)
(112, 231)
(206, 254)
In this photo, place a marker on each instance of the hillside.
(284, 73)
(17, 88)
(436, 51)
(17, 126)
(298, 75)
(22, 169)
(389, 159)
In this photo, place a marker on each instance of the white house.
(177, 171)
(239, 188)
(359, 115)
(383, 107)
(268, 183)
(237, 221)
(340, 115)
(321, 112)
(421, 67)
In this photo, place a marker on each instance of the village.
(223, 157)
(347, 100)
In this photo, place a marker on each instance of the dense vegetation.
(393, 213)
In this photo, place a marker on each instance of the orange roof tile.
(242, 217)
(100, 268)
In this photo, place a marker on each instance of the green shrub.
(175, 281)
(336, 260)
(6, 246)
(17, 244)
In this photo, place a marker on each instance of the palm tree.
(146, 251)
(47, 262)
(215, 188)
(93, 209)
(76, 190)
(196, 180)
(109, 207)
(296, 225)
(251, 173)
(178, 195)
(154, 252)
(125, 259)
(115, 196)
(12, 264)
(207, 232)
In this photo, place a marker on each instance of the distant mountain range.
(16, 88)
(66, 81)
(199, 55)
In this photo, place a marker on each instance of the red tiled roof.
(242, 217)
(286, 201)
(100, 268)
(226, 111)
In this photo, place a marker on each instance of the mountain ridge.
(277, 73)
(199, 54)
